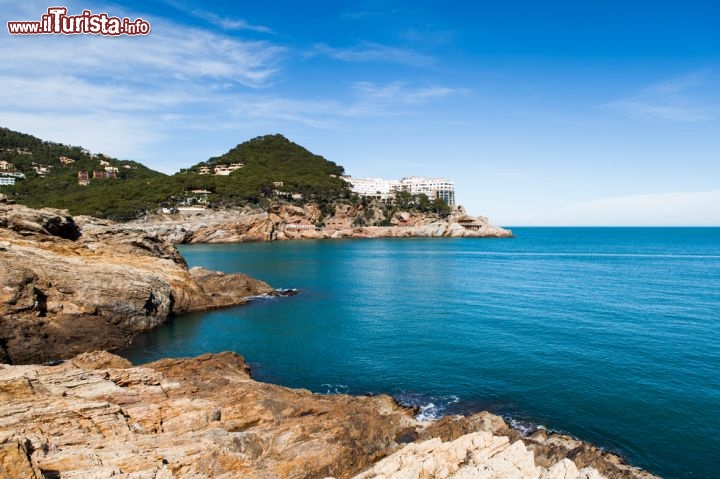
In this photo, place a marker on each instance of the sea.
(611, 335)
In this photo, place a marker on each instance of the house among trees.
(83, 178)
(5, 165)
(225, 170)
(41, 170)
(66, 161)
(104, 175)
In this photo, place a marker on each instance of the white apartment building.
(430, 187)
(383, 190)
(7, 181)
(377, 188)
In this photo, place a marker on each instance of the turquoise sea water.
(609, 334)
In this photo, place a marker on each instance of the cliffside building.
(383, 190)
(431, 187)
(377, 188)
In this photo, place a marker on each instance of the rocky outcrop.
(288, 222)
(483, 446)
(96, 416)
(68, 287)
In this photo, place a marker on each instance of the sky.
(542, 113)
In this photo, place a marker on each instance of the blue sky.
(543, 113)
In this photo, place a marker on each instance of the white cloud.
(373, 52)
(166, 98)
(127, 96)
(681, 99)
(169, 52)
(364, 14)
(400, 92)
(217, 20)
(395, 98)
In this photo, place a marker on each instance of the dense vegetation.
(273, 169)
(267, 161)
(376, 213)
(135, 187)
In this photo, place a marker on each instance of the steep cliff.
(67, 287)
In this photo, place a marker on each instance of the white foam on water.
(430, 408)
(336, 388)
(525, 427)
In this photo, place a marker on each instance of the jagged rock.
(477, 455)
(69, 287)
(96, 416)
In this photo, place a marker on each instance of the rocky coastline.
(72, 286)
(288, 222)
(68, 287)
(96, 416)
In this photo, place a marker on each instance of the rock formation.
(95, 416)
(288, 222)
(68, 287)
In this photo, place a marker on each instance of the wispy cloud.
(428, 37)
(401, 92)
(125, 96)
(171, 52)
(682, 99)
(369, 13)
(225, 23)
(372, 52)
(168, 97)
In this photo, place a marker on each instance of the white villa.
(221, 170)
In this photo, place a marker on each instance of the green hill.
(265, 168)
(271, 165)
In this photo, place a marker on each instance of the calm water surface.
(609, 334)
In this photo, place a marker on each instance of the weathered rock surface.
(288, 222)
(95, 416)
(490, 454)
(68, 287)
(203, 417)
